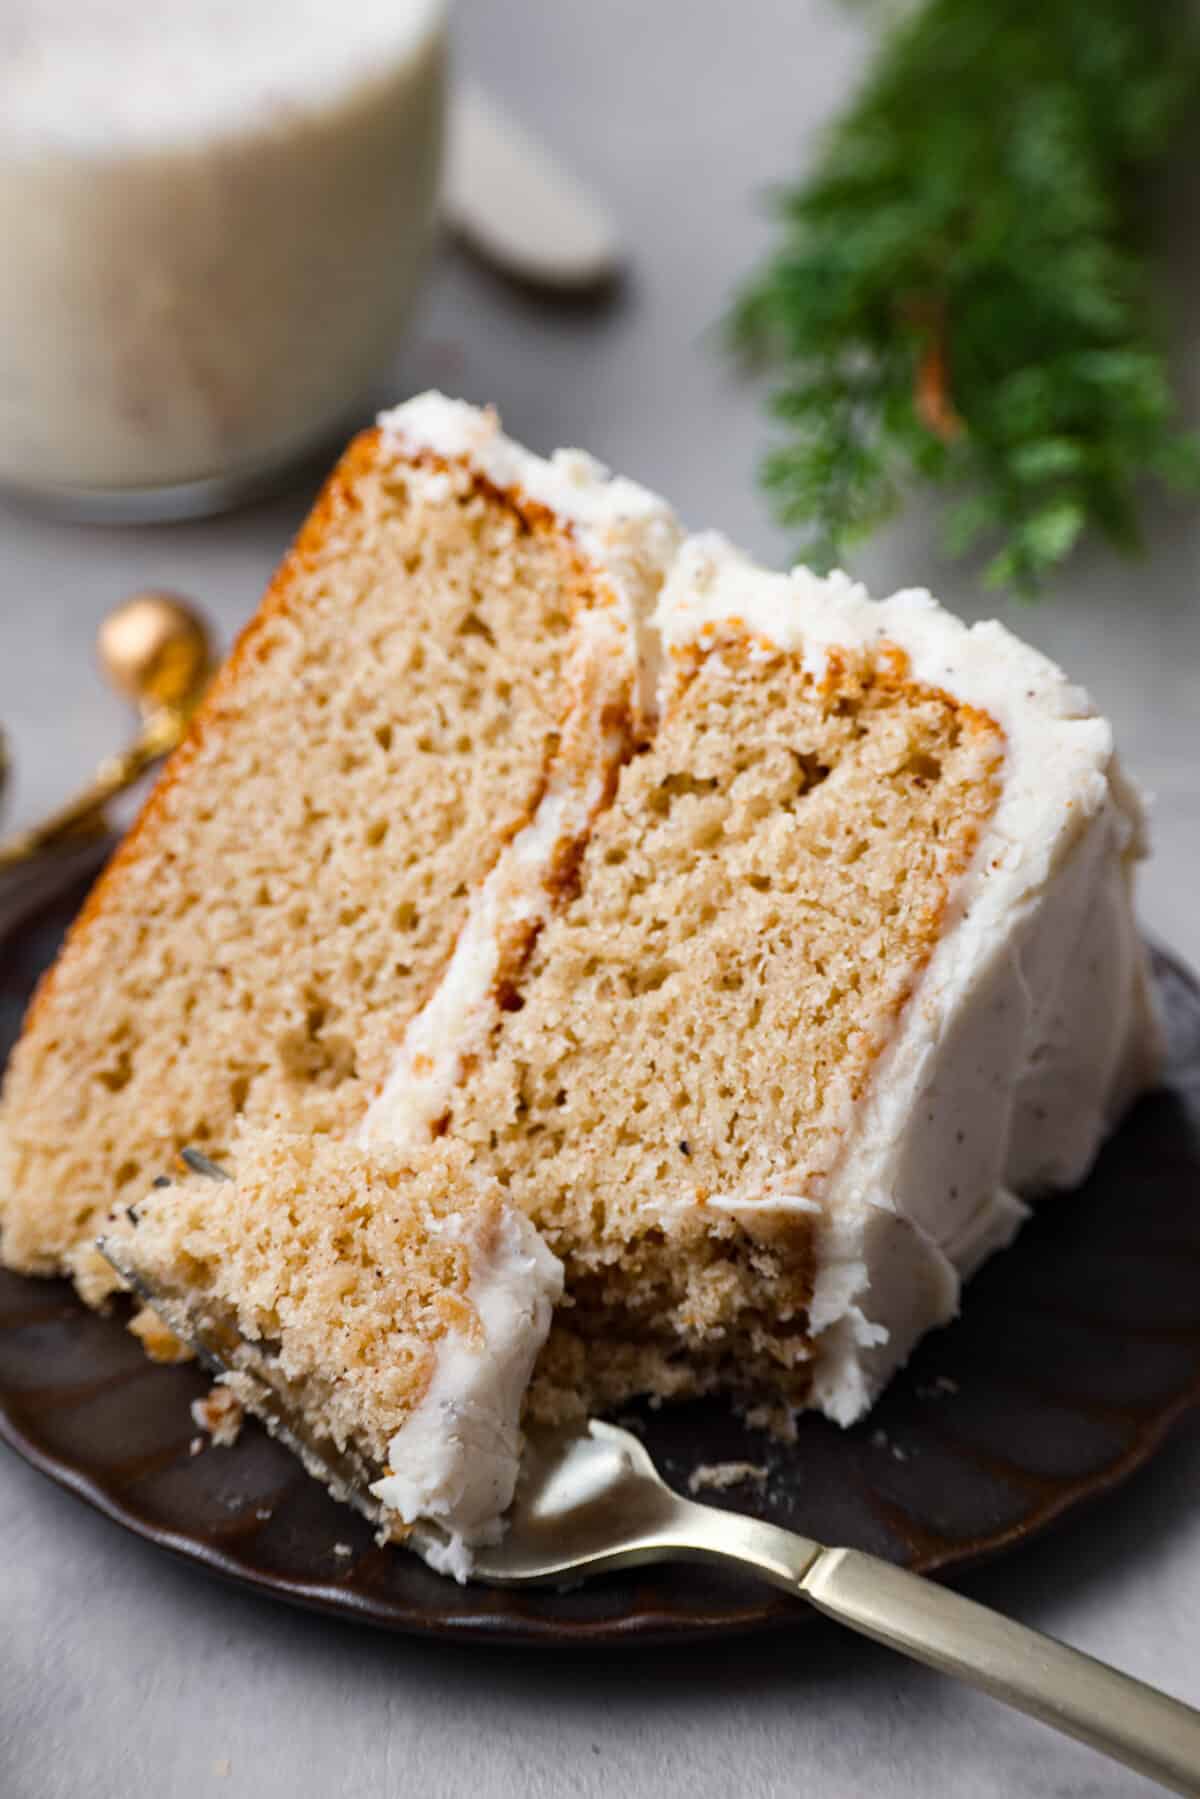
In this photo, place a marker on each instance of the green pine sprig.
(960, 291)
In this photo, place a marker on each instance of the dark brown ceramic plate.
(1077, 1350)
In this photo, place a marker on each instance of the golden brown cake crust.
(361, 458)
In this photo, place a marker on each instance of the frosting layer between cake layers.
(1032, 1024)
(628, 537)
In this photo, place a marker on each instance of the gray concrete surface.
(122, 1673)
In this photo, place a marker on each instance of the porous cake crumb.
(160, 1344)
(220, 1414)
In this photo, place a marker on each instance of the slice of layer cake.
(850, 965)
(775, 940)
(446, 662)
(394, 1314)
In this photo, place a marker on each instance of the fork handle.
(1145, 1729)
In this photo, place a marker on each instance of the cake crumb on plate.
(220, 1414)
(777, 1420)
(159, 1343)
(716, 1476)
(940, 1388)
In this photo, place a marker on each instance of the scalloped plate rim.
(646, 1625)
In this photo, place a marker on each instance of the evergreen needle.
(959, 293)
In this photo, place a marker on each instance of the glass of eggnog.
(215, 215)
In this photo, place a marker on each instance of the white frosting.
(1032, 1024)
(456, 1457)
(628, 534)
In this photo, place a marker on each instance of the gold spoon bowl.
(155, 650)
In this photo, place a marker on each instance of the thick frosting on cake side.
(456, 1457)
(1031, 1026)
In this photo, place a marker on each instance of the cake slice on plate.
(765, 946)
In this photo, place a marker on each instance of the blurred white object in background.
(519, 208)
(215, 215)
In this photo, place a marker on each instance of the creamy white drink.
(214, 214)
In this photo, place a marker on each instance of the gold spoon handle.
(1072, 1692)
(83, 815)
(1134, 1723)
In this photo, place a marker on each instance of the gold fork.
(590, 1501)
